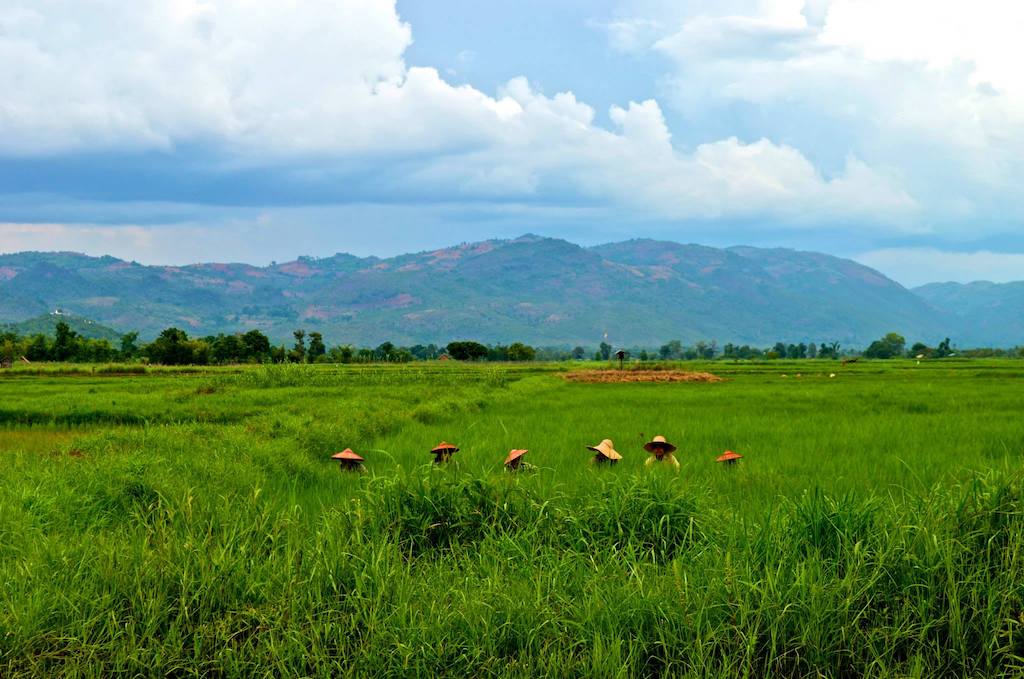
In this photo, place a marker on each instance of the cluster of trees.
(708, 350)
(174, 347)
(65, 345)
(474, 351)
(893, 345)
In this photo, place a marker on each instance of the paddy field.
(160, 522)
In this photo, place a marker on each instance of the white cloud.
(939, 33)
(917, 266)
(638, 166)
(928, 89)
(265, 81)
(276, 76)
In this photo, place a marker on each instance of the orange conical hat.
(515, 455)
(347, 454)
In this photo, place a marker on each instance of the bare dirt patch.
(608, 376)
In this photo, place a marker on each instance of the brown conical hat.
(728, 456)
(445, 447)
(347, 454)
(659, 443)
(515, 455)
(606, 448)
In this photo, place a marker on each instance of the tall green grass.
(873, 528)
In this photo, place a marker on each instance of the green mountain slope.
(988, 313)
(532, 289)
(47, 325)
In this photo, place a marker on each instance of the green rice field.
(189, 522)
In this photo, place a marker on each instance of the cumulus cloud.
(260, 82)
(929, 90)
(277, 77)
(917, 266)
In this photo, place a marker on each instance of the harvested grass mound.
(606, 376)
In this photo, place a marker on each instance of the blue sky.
(173, 131)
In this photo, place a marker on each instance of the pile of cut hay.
(606, 376)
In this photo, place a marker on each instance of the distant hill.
(47, 325)
(532, 289)
(988, 313)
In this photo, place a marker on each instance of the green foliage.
(517, 351)
(173, 347)
(828, 350)
(316, 347)
(254, 347)
(467, 351)
(190, 522)
(298, 352)
(129, 345)
(890, 346)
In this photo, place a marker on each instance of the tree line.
(174, 347)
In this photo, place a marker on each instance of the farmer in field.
(443, 452)
(515, 463)
(660, 452)
(349, 461)
(606, 453)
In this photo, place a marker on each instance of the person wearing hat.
(443, 452)
(606, 453)
(728, 457)
(661, 451)
(349, 461)
(515, 463)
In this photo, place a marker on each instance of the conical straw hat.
(728, 456)
(347, 454)
(444, 447)
(659, 443)
(607, 449)
(515, 455)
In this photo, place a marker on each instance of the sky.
(177, 131)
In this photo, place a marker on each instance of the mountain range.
(989, 314)
(543, 291)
